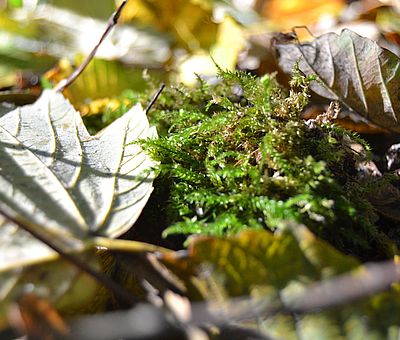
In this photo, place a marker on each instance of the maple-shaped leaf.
(68, 187)
(66, 184)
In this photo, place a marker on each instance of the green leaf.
(352, 69)
(64, 183)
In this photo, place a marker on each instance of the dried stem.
(153, 100)
(112, 21)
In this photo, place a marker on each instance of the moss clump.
(238, 155)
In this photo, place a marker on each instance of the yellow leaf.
(230, 42)
(188, 22)
(224, 53)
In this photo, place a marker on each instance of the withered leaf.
(352, 69)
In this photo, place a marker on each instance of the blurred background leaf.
(174, 37)
(33, 39)
(188, 22)
(101, 79)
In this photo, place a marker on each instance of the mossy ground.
(238, 155)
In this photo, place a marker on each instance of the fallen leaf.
(59, 180)
(68, 187)
(283, 270)
(352, 69)
(260, 258)
(36, 318)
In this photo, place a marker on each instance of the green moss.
(238, 155)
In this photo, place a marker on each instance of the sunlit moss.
(238, 155)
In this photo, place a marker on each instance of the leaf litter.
(214, 263)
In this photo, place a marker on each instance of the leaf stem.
(112, 21)
(128, 246)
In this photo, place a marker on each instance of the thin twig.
(120, 292)
(153, 100)
(112, 21)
